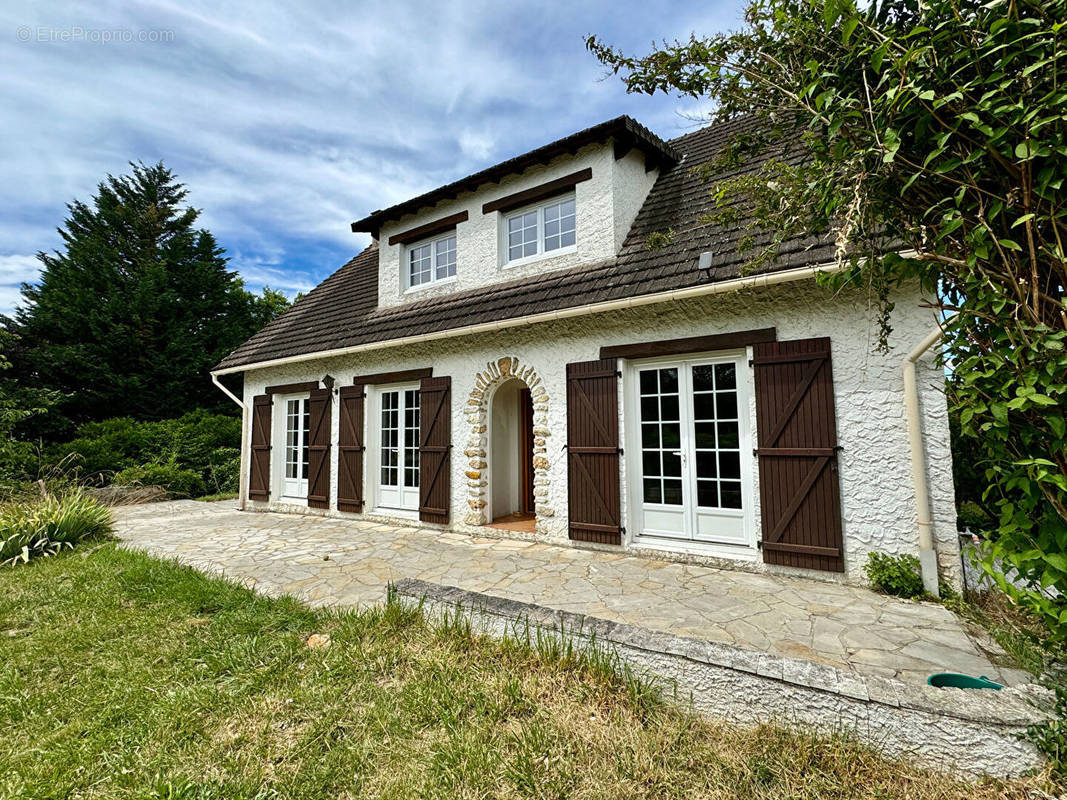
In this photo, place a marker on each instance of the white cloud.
(288, 122)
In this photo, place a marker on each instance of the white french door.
(398, 448)
(694, 477)
(297, 425)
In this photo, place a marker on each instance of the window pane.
(522, 235)
(669, 406)
(648, 381)
(728, 436)
(731, 494)
(726, 405)
(672, 492)
(705, 435)
(705, 464)
(725, 376)
(650, 463)
(730, 464)
(419, 265)
(703, 380)
(672, 464)
(707, 494)
(668, 381)
(650, 435)
(446, 257)
(672, 436)
(652, 491)
(704, 406)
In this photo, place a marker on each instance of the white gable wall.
(878, 508)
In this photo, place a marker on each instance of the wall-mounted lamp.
(328, 382)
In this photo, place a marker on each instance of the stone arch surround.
(477, 410)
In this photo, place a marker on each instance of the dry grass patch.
(139, 679)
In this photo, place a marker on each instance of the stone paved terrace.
(841, 626)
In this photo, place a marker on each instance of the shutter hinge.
(620, 451)
(752, 362)
(622, 530)
(759, 544)
(618, 373)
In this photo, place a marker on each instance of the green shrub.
(125, 451)
(224, 470)
(47, 525)
(896, 575)
(170, 476)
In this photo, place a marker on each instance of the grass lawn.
(124, 676)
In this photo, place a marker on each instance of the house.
(511, 352)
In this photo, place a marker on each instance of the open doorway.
(511, 448)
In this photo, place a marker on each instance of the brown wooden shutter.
(259, 460)
(350, 449)
(800, 500)
(593, 452)
(435, 445)
(319, 448)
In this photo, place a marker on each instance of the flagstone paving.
(349, 562)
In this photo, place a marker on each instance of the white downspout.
(242, 492)
(927, 554)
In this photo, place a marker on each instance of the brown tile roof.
(342, 311)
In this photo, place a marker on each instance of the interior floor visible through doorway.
(526, 523)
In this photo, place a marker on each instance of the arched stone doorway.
(508, 463)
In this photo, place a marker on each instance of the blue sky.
(288, 123)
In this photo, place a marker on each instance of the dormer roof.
(626, 132)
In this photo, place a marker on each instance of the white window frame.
(434, 280)
(746, 551)
(538, 207)
(373, 462)
(282, 483)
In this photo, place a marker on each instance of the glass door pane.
(297, 425)
(390, 454)
(719, 434)
(398, 483)
(662, 484)
(411, 438)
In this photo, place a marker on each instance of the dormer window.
(432, 261)
(540, 230)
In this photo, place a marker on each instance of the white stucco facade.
(877, 496)
(605, 208)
